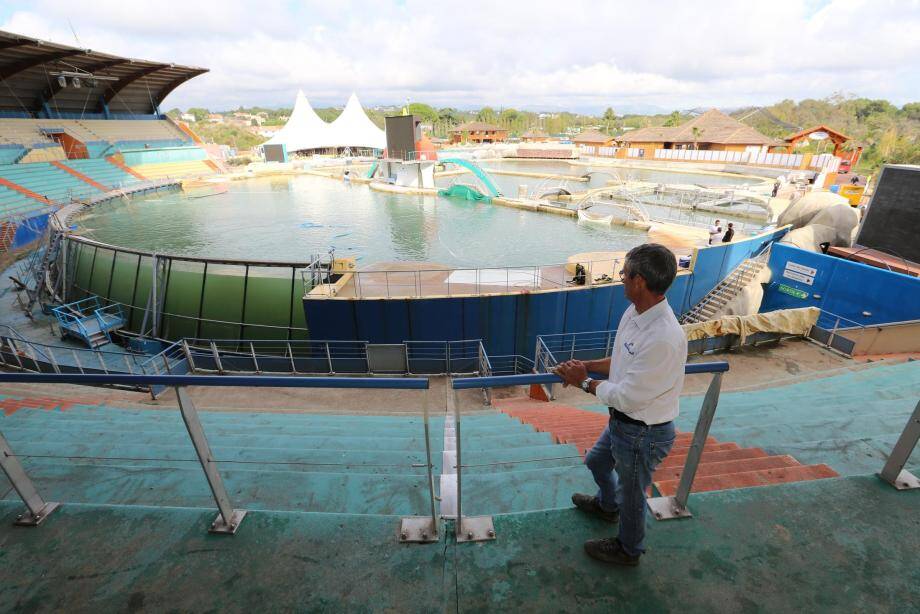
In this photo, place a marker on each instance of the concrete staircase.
(712, 305)
(724, 465)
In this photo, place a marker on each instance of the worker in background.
(714, 231)
(775, 188)
(729, 234)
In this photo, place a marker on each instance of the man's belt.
(618, 415)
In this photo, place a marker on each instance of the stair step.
(678, 459)
(726, 467)
(749, 479)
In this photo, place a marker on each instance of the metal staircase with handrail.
(716, 299)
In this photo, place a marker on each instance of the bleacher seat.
(104, 172)
(46, 180)
(101, 136)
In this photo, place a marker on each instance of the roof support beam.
(13, 69)
(51, 91)
(167, 89)
(127, 80)
(16, 42)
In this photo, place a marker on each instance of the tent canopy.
(306, 130)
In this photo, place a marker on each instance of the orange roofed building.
(478, 132)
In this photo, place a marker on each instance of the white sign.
(798, 277)
(800, 272)
(820, 135)
(801, 268)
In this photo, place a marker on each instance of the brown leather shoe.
(589, 504)
(609, 550)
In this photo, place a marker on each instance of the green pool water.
(289, 219)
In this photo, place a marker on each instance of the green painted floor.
(846, 544)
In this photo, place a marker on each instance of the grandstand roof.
(28, 68)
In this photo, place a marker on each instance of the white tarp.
(516, 278)
(305, 130)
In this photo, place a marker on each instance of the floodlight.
(62, 80)
(76, 82)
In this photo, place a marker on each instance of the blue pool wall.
(859, 292)
(509, 324)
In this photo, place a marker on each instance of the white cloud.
(577, 53)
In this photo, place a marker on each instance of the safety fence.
(481, 528)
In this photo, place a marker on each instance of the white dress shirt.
(647, 365)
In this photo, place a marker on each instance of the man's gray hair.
(655, 263)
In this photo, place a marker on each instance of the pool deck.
(846, 544)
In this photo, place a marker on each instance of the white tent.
(353, 128)
(305, 130)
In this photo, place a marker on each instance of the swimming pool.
(291, 218)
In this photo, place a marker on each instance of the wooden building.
(478, 132)
(535, 135)
(713, 130)
(593, 138)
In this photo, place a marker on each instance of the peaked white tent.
(305, 130)
(353, 128)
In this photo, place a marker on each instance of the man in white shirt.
(714, 231)
(642, 391)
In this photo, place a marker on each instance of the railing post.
(423, 529)
(474, 528)
(894, 472)
(37, 509)
(255, 361)
(216, 355)
(228, 519)
(667, 508)
(188, 356)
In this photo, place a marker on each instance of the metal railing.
(481, 528)
(461, 281)
(412, 529)
(894, 472)
(21, 354)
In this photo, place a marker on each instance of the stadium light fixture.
(62, 80)
(76, 82)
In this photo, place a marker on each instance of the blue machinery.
(413, 528)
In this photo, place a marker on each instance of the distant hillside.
(887, 133)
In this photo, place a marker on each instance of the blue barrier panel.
(861, 293)
(254, 381)
(550, 378)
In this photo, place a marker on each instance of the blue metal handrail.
(258, 381)
(551, 378)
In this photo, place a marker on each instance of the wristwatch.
(586, 384)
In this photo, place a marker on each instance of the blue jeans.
(622, 462)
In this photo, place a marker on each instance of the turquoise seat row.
(103, 171)
(47, 180)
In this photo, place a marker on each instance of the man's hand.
(572, 372)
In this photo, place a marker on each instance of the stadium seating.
(164, 170)
(103, 171)
(46, 180)
(101, 136)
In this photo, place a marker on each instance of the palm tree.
(697, 133)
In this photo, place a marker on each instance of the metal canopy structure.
(29, 83)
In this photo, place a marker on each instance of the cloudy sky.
(534, 54)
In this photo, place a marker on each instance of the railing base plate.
(905, 480)
(220, 526)
(667, 508)
(28, 519)
(417, 530)
(475, 529)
